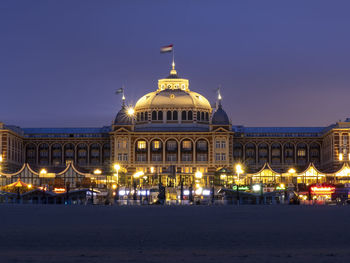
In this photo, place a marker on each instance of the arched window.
(175, 115)
(56, 154)
(190, 115)
(168, 115)
(202, 116)
(69, 152)
(237, 151)
(315, 152)
(301, 154)
(154, 115)
(263, 150)
(82, 155)
(198, 116)
(160, 115)
(95, 153)
(250, 153)
(43, 154)
(141, 116)
(138, 116)
(276, 153)
(184, 115)
(207, 116)
(31, 153)
(288, 153)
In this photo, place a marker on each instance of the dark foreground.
(174, 234)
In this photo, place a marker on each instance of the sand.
(281, 233)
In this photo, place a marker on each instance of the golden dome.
(173, 93)
(173, 99)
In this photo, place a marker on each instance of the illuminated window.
(301, 153)
(186, 170)
(120, 157)
(141, 145)
(217, 144)
(186, 144)
(125, 157)
(156, 145)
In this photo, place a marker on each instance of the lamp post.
(1, 159)
(136, 176)
(239, 171)
(43, 172)
(97, 172)
(117, 168)
(292, 172)
(198, 178)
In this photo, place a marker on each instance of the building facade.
(173, 132)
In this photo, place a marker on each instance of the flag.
(166, 49)
(121, 90)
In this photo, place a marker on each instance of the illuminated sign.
(322, 190)
(59, 190)
(240, 188)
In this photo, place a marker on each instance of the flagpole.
(173, 64)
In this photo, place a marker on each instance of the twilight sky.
(280, 63)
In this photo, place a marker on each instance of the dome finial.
(219, 97)
(173, 71)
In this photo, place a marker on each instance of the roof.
(279, 131)
(172, 98)
(104, 129)
(171, 129)
(220, 116)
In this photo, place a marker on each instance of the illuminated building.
(170, 134)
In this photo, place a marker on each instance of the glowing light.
(43, 171)
(322, 189)
(117, 167)
(1, 158)
(152, 169)
(114, 186)
(239, 169)
(59, 190)
(138, 174)
(340, 156)
(206, 192)
(29, 186)
(186, 192)
(199, 191)
(223, 176)
(131, 111)
(198, 175)
(291, 171)
(97, 171)
(256, 187)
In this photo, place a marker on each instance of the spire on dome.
(219, 98)
(173, 71)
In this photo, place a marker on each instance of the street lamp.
(43, 172)
(96, 172)
(136, 176)
(239, 170)
(292, 172)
